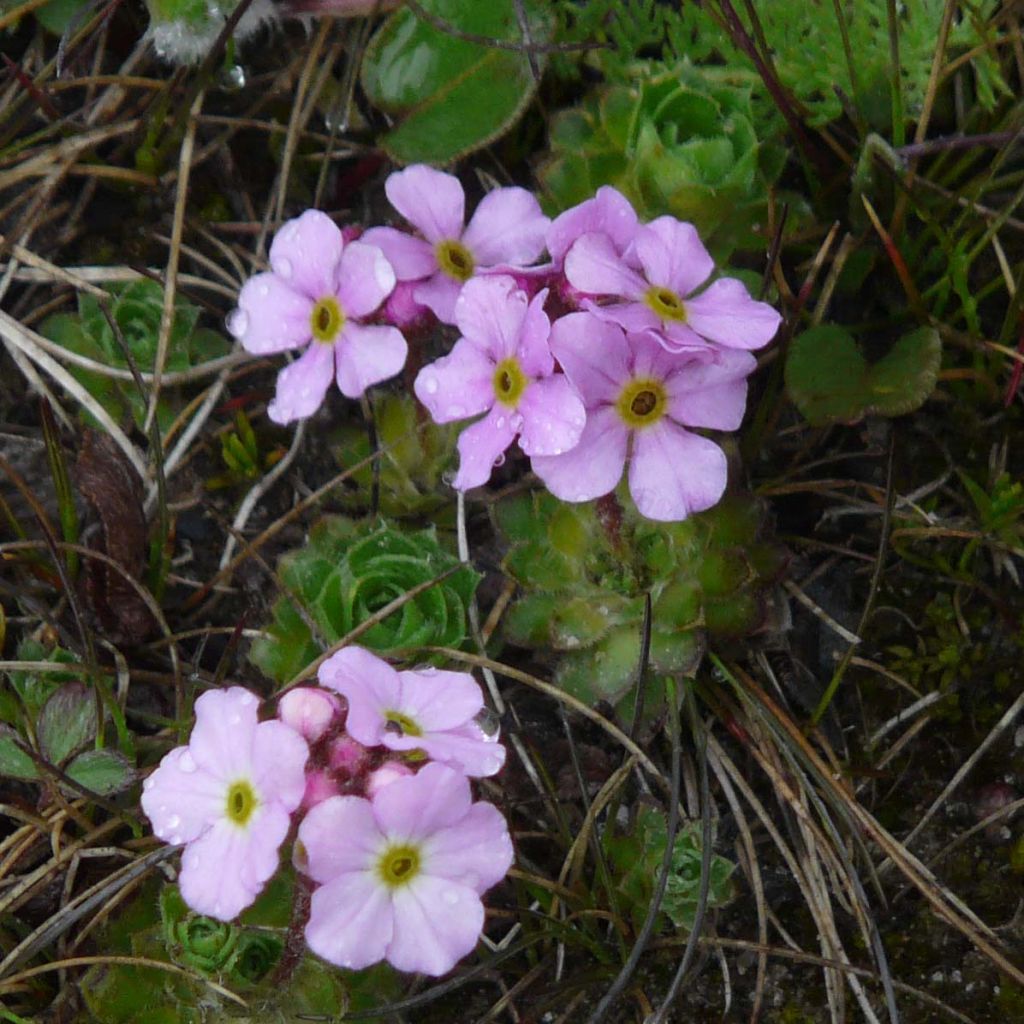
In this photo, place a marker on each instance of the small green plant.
(242, 457)
(584, 571)
(345, 574)
(136, 309)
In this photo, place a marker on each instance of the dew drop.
(246, 699)
(237, 322)
(490, 724)
(430, 385)
(283, 267)
(173, 822)
(234, 719)
(455, 411)
(233, 78)
(149, 783)
(451, 897)
(263, 291)
(174, 840)
(187, 763)
(516, 423)
(500, 423)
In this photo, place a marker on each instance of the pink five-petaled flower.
(426, 710)
(401, 876)
(317, 294)
(639, 395)
(507, 228)
(658, 274)
(229, 795)
(607, 212)
(502, 363)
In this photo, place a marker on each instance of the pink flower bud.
(388, 772)
(309, 712)
(319, 786)
(347, 755)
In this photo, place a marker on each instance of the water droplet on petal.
(263, 291)
(500, 423)
(232, 78)
(149, 783)
(186, 763)
(430, 385)
(283, 267)
(455, 411)
(173, 822)
(234, 719)
(246, 699)
(237, 322)
(451, 897)
(516, 423)
(490, 724)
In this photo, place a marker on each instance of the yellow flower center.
(407, 726)
(666, 304)
(327, 320)
(241, 802)
(398, 865)
(455, 259)
(641, 403)
(509, 382)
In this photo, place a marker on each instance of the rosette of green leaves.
(584, 578)
(345, 574)
(674, 140)
(136, 309)
(414, 452)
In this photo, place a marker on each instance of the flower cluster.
(610, 353)
(375, 765)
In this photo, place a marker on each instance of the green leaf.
(14, 762)
(67, 723)
(449, 95)
(830, 382)
(102, 771)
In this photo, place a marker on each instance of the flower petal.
(594, 466)
(221, 740)
(351, 920)
(490, 314)
(672, 255)
(720, 406)
(365, 279)
(634, 317)
(279, 756)
(430, 200)
(609, 212)
(367, 355)
(507, 227)
(473, 755)
(305, 253)
(339, 836)
(439, 700)
(413, 808)
(457, 385)
(481, 446)
(593, 266)
(553, 417)
(532, 346)
(726, 313)
(302, 385)
(594, 355)
(411, 257)
(477, 852)
(674, 473)
(437, 923)
(182, 800)
(439, 294)
(369, 684)
(271, 316)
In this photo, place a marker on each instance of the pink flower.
(229, 795)
(308, 711)
(639, 399)
(502, 363)
(507, 228)
(401, 876)
(658, 273)
(317, 294)
(609, 213)
(426, 710)
(388, 772)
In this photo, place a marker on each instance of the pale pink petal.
(481, 446)
(182, 800)
(533, 350)
(437, 923)
(430, 200)
(339, 836)
(403, 311)
(634, 317)
(259, 845)
(594, 355)
(436, 797)
(475, 756)
(388, 772)
(271, 316)
(490, 314)
(310, 712)
(553, 417)
(302, 385)
(411, 257)
(594, 466)
(457, 385)
(440, 700)
(439, 294)
(609, 212)
(351, 920)
(305, 253)
(507, 227)
(708, 393)
(674, 473)
(367, 355)
(365, 279)
(672, 255)
(221, 740)
(279, 756)
(593, 266)
(719, 406)
(476, 852)
(726, 313)
(369, 684)
(679, 338)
